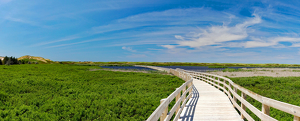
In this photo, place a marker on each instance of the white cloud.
(128, 49)
(167, 17)
(219, 34)
(169, 46)
(179, 37)
(271, 42)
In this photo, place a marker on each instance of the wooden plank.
(243, 112)
(265, 109)
(177, 116)
(296, 118)
(257, 112)
(159, 110)
(244, 96)
(288, 108)
(235, 90)
(267, 102)
(212, 104)
(182, 99)
(252, 108)
(177, 99)
(165, 112)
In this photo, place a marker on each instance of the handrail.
(162, 111)
(230, 88)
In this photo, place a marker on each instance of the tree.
(0, 62)
(5, 59)
(9, 62)
(14, 60)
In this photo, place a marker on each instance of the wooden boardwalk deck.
(208, 104)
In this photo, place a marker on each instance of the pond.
(201, 68)
(191, 68)
(127, 67)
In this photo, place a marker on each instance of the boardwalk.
(208, 104)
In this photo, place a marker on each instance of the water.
(195, 68)
(191, 68)
(127, 67)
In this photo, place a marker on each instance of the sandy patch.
(272, 72)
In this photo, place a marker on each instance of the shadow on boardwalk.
(189, 110)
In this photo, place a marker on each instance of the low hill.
(34, 58)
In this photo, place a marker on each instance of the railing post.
(244, 96)
(217, 82)
(183, 90)
(224, 85)
(190, 84)
(177, 98)
(210, 80)
(235, 90)
(191, 91)
(220, 83)
(296, 118)
(165, 113)
(265, 109)
(229, 93)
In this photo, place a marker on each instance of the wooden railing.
(231, 89)
(180, 93)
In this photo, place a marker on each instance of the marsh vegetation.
(73, 92)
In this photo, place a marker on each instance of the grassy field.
(285, 89)
(72, 92)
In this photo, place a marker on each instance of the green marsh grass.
(72, 92)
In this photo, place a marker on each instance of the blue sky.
(152, 30)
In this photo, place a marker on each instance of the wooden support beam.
(235, 90)
(190, 84)
(217, 82)
(183, 90)
(296, 118)
(242, 105)
(265, 109)
(224, 85)
(177, 98)
(165, 113)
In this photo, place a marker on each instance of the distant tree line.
(13, 60)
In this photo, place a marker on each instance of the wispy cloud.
(271, 42)
(169, 46)
(81, 42)
(128, 49)
(172, 17)
(32, 23)
(55, 41)
(216, 35)
(160, 26)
